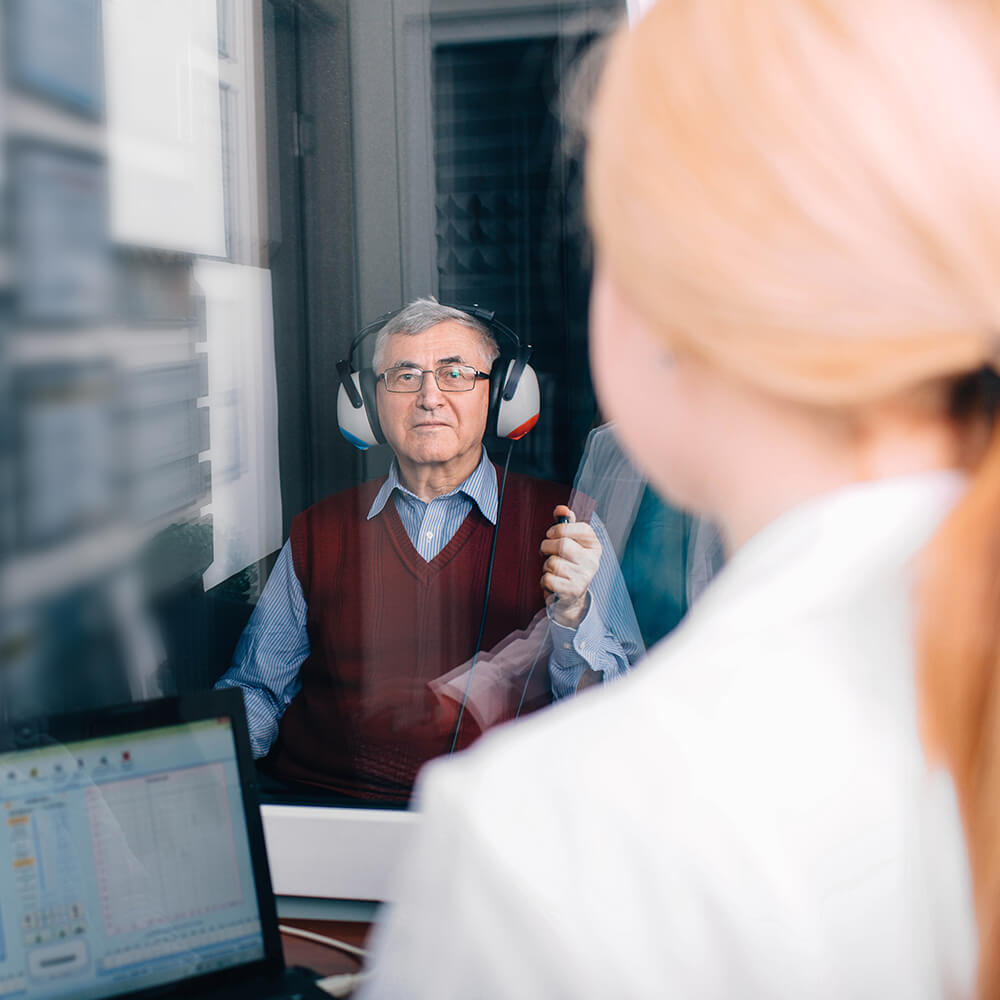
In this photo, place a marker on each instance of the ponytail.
(959, 649)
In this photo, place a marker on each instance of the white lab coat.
(750, 814)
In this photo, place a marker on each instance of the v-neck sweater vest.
(383, 622)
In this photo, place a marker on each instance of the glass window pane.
(214, 204)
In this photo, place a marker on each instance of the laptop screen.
(126, 863)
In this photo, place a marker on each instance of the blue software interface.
(124, 863)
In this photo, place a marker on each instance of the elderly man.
(348, 664)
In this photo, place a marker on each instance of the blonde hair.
(807, 196)
(806, 193)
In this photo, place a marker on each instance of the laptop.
(132, 858)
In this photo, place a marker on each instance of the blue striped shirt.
(276, 642)
(430, 525)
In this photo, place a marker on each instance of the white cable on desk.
(342, 985)
(330, 942)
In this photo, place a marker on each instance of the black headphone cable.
(486, 599)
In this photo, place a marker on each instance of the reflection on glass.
(206, 202)
(139, 448)
(667, 556)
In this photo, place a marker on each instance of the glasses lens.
(455, 378)
(403, 379)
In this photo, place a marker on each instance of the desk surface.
(324, 960)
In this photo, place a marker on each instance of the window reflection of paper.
(496, 686)
(243, 416)
(164, 130)
(611, 482)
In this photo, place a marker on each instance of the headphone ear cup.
(498, 376)
(516, 416)
(368, 382)
(355, 423)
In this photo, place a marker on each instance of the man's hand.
(573, 555)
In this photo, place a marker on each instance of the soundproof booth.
(293, 306)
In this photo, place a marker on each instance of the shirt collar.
(480, 488)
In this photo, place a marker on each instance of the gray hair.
(420, 315)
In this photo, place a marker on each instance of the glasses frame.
(478, 376)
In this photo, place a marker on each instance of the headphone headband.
(485, 316)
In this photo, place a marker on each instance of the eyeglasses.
(449, 378)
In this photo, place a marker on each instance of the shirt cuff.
(584, 642)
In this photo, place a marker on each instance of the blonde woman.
(796, 207)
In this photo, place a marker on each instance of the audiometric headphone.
(514, 400)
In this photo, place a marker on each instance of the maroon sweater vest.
(382, 622)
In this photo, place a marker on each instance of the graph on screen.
(164, 848)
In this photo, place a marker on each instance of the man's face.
(431, 427)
